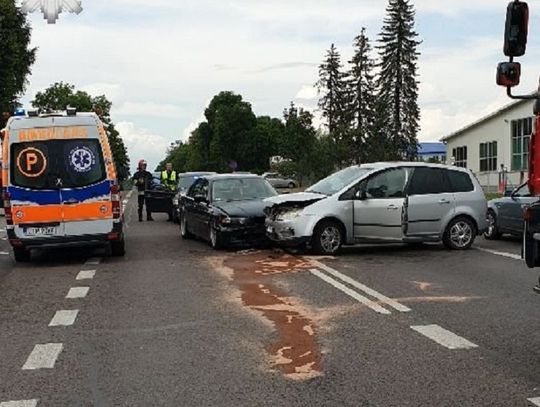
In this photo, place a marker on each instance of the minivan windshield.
(336, 182)
(55, 164)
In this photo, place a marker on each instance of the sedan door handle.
(392, 208)
(444, 202)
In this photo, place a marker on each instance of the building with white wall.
(499, 140)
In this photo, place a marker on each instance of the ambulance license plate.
(40, 231)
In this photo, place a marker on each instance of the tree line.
(16, 60)
(370, 109)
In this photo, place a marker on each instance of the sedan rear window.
(55, 164)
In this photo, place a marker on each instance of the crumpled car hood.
(295, 198)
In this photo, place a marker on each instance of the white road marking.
(86, 274)
(78, 292)
(360, 298)
(369, 291)
(43, 356)
(497, 253)
(20, 403)
(64, 318)
(4, 253)
(535, 401)
(93, 261)
(444, 337)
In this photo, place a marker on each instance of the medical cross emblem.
(51, 9)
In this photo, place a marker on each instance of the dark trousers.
(141, 201)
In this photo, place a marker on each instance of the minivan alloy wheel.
(330, 239)
(461, 234)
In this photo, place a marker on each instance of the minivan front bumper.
(287, 233)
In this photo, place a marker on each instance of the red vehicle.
(508, 75)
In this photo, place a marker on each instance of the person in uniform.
(142, 179)
(169, 179)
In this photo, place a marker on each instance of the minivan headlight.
(290, 215)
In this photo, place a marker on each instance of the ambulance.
(60, 186)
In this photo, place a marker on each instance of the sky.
(161, 61)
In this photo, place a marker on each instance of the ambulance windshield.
(57, 164)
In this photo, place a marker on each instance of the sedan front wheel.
(492, 232)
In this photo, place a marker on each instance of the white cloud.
(307, 92)
(142, 144)
(149, 109)
(113, 91)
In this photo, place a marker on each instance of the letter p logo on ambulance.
(31, 162)
(51, 9)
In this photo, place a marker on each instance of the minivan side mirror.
(361, 195)
(517, 29)
(508, 74)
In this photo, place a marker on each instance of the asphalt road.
(177, 324)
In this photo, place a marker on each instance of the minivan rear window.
(55, 164)
(460, 181)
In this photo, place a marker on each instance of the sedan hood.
(244, 209)
(295, 198)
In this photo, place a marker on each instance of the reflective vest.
(169, 180)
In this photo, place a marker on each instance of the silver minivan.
(382, 202)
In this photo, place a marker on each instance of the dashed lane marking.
(342, 287)
(77, 292)
(20, 403)
(86, 274)
(535, 401)
(497, 253)
(64, 318)
(93, 261)
(43, 356)
(444, 337)
(4, 253)
(369, 291)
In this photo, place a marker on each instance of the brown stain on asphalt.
(296, 353)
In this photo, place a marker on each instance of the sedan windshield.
(241, 189)
(336, 182)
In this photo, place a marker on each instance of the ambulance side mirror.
(3, 133)
(508, 74)
(517, 29)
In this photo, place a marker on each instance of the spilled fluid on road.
(296, 353)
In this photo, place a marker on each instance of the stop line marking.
(43, 356)
(64, 318)
(351, 293)
(20, 403)
(444, 337)
(498, 253)
(369, 291)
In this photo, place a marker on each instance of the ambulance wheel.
(21, 255)
(118, 248)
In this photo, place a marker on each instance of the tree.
(60, 95)
(333, 88)
(16, 58)
(398, 112)
(334, 103)
(362, 92)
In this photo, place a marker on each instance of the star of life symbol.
(82, 159)
(51, 9)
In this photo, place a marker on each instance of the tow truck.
(509, 75)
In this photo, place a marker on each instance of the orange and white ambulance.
(60, 185)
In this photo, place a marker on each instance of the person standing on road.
(143, 180)
(169, 181)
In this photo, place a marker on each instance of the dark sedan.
(185, 180)
(226, 209)
(505, 215)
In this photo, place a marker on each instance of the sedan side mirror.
(508, 193)
(200, 199)
(361, 195)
